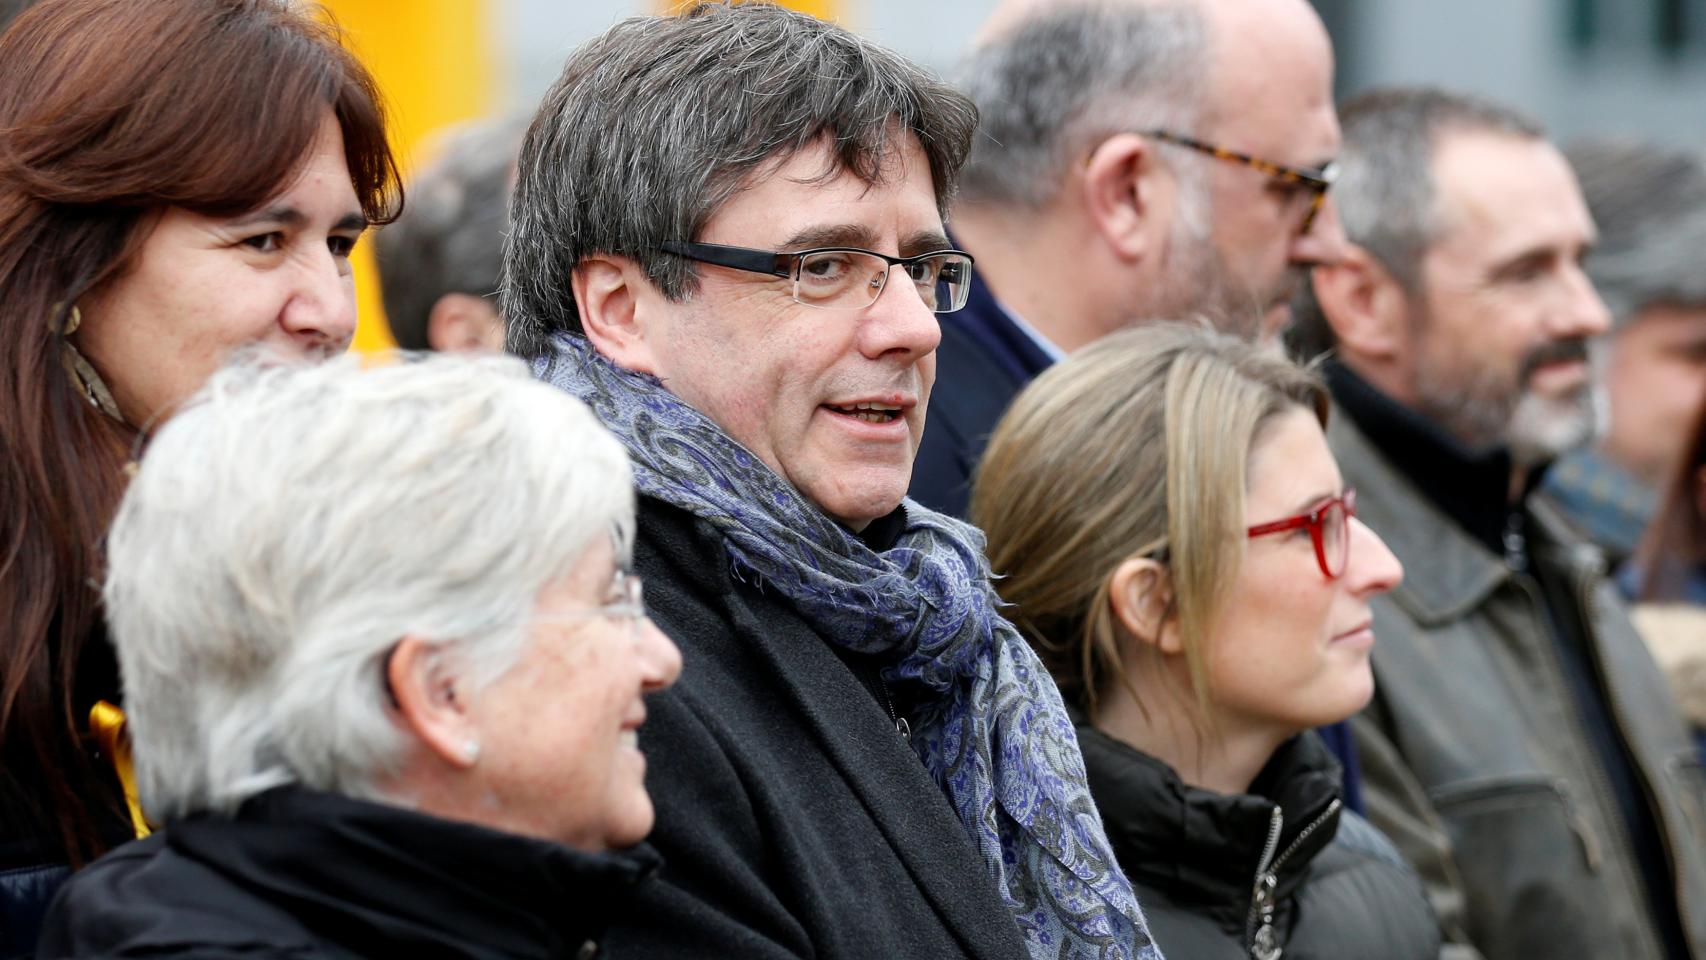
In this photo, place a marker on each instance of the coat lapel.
(861, 741)
(1446, 572)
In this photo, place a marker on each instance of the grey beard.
(1484, 412)
(1543, 429)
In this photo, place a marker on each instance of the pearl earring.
(471, 751)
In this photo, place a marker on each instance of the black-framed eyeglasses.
(1316, 181)
(1329, 527)
(845, 277)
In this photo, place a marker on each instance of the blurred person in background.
(1522, 747)
(177, 178)
(1668, 580)
(439, 264)
(384, 665)
(1175, 540)
(863, 759)
(1134, 159)
(1649, 202)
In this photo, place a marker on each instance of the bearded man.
(1522, 748)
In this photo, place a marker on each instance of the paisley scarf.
(992, 732)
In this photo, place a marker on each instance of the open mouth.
(868, 412)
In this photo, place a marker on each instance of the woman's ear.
(618, 306)
(1141, 592)
(432, 701)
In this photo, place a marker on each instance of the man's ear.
(1122, 182)
(1141, 593)
(432, 701)
(619, 309)
(461, 322)
(1366, 307)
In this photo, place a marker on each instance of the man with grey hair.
(727, 237)
(1522, 747)
(439, 263)
(1650, 203)
(1136, 159)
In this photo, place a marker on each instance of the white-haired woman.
(1177, 542)
(383, 665)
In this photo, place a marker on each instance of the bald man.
(1135, 160)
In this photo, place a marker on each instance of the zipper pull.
(1260, 926)
(1263, 945)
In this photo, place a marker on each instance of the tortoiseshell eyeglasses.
(1315, 181)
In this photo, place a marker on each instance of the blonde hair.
(1133, 446)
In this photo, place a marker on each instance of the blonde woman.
(1177, 543)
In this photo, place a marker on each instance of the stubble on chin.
(1544, 428)
(1482, 409)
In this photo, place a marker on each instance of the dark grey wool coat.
(793, 819)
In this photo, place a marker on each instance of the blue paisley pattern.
(995, 735)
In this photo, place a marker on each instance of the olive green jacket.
(1474, 757)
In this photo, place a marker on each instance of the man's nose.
(1324, 242)
(899, 320)
(1585, 315)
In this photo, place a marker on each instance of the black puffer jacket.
(1280, 871)
(316, 876)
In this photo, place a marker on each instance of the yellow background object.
(433, 62)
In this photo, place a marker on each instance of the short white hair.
(292, 523)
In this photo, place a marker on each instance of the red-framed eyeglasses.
(1329, 526)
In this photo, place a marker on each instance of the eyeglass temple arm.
(1280, 526)
(737, 258)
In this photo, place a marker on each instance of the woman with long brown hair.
(178, 178)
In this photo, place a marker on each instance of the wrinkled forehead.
(813, 197)
(825, 167)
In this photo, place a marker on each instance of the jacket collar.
(846, 723)
(1472, 487)
(999, 331)
(1203, 847)
(1447, 572)
(385, 881)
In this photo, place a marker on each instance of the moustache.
(1572, 349)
